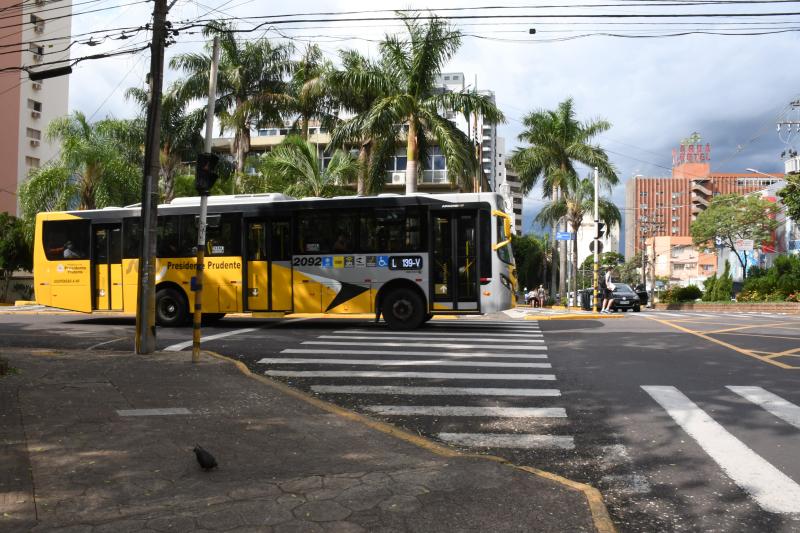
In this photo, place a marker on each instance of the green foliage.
(719, 288)
(708, 288)
(732, 216)
(15, 250)
(780, 282)
(529, 254)
(690, 293)
(790, 195)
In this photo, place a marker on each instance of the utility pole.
(201, 226)
(596, 265)
(146, 291)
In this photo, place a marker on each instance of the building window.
(33, 134)
(447, 78)
(34, 106)
(37, 49)
(676, 218)
(675, 195)
(642, 206)
(643, 194)
(32, 162)
(674, 229)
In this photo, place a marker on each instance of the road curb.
(597, 508)
(573, 317)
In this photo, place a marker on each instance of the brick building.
(666, 206)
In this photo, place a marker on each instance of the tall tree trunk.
(304, 127)
(363, 159)
(553, 270)
(575, 263)
(411, 156)
(562, 258)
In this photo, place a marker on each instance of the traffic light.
(205, 173)
(600, 230)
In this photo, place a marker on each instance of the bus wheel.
(403, 309)
(171, 308)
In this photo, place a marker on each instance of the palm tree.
(356, 87)
(97, 167)
(576, 201)
(309, 97)
(557, 141)
(295, 161)
(252, 84)
(180, 135)
(408, 97)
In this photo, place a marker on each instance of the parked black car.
(625, 298)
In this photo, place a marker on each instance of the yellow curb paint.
(742, 351)
(444, 317)
(573, 317)
(600, 517)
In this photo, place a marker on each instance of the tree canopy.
(790, 195)
(732, 216)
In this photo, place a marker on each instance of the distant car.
(641, 291)
(625, 298)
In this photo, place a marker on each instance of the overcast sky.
(655, 92)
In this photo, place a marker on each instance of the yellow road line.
(739, 328)
(787, 352)
(597, 508)
(748, 353)
(758, 335)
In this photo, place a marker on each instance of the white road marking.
(432, 391)
(786, 411)
(154, 412)
(181, 345)
(501, 440)
(488, 337)
(423, 354)
(425, 345)
(99, 344)
(670, 314)
(773, 490)
(388, 362)
(450, 410)
(384, 334)
(429, 375)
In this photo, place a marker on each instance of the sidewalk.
(284, 464)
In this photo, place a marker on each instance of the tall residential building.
(666, 206)
(41, 42)
(508, 184)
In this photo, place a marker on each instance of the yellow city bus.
(405, 258)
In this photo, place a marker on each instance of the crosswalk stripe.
(451, 410)
(484, 338)
(670, 314)
(773, 490)
(432, 391)
(499, 440)
(429, 375)
(478, 325)
(389, 334)
(786, 411)
(387, 362)
(426, 345)
(390, 353)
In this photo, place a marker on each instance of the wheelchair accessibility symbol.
(383, 261)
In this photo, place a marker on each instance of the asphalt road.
(685, 421)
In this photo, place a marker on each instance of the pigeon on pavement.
(206, 460)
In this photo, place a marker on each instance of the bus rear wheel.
(172, 310)
(403, 309)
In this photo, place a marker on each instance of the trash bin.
(586, 299)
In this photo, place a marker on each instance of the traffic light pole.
(145, 339)
(201, 226)
(596, 265)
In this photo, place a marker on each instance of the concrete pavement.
(103, 442)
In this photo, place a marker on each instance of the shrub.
(675, 295)
(780, 282)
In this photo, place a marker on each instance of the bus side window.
(314, 230)
(65, 239)
(131, 238)
(167, 238)
(225, 238)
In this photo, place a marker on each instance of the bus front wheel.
(171, 308)
(403, 309)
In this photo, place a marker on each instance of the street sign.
(565, 236)
(599, 246)
(743, 245)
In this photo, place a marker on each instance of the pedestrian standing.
(540, 294)
(609, 287)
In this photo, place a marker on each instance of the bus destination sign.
(405, 262)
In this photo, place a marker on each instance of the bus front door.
(454, 272)
(269, 271)
(107, 271)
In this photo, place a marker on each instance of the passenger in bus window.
(341, 244)
(70, 252)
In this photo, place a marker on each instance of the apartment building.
(28, 107)
(508, 184)
(585, 236)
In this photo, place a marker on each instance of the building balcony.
(394, 177)
(699, 187)
(699, 200)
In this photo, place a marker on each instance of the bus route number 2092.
(405, 262)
